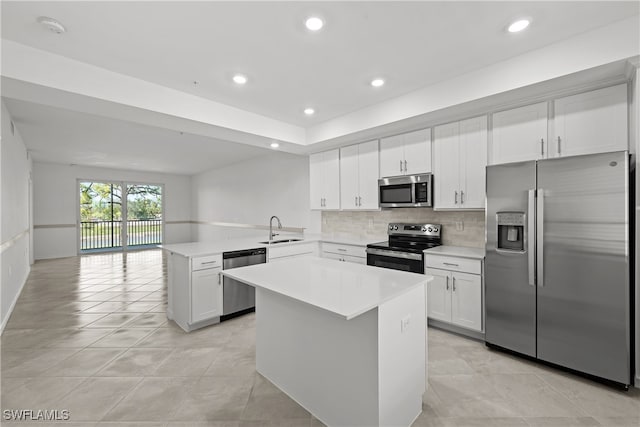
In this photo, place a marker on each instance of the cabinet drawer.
(340, 249)
(345, 258)
(298, 249)
(466, 265)
(209, 261)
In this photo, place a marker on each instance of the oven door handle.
(394, 254)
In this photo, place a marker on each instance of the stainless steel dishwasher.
(238, 297)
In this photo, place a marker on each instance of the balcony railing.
(108, 234)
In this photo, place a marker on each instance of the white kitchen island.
(346, 341)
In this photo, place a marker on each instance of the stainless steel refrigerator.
(557, 262)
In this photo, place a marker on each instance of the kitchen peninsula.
(346, 341)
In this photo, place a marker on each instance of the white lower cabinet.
(195, 290)
(344, 252)
(278, 253)
(453, 296)
(206, 294)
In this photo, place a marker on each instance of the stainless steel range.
(404, 249)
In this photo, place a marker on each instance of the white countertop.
(195, 249)
(344, 288)
(459, 251)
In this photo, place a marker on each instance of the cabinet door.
(392, 156)
(439, 295)
(331, 173)
(466, 300)
(349, 177)
(591, 122)
(206, 294)
(368, 175)
(417, 151)
(446, 166)
(473, 163)
(519, 134)
(316, 183)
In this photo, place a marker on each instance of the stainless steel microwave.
(410, 191)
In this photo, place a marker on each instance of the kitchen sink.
(273, 242)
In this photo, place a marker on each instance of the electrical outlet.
(404, 323)
(459, 225)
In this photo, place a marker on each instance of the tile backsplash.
(458, 228)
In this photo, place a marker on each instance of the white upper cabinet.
(519, 134)
(591, 122)
(349, 177)
(417, 152)
(368, 174)
(359, 176)
(406, 154)
(460, 158)
(446, 166)
(473, 163)
(324, 179)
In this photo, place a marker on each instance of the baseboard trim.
(477, 335)
(14, 302)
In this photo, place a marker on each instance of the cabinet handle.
(209, 262)
(405, 165)
(461, 197)
(450, 263)
(342, 250)
(400, 165)
(542, 146)
(559, 145)
(447, 282)
(455, 197)
(356, 201)
(359, 201)
(453, 280)
(219, 275)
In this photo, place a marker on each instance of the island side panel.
(327, 364)
(402, 357)
(178, 301)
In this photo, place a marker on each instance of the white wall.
(56, 204)
(15, 171)
(251, 192)
(634, 136)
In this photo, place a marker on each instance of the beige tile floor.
(89, 334)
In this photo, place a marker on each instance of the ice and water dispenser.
(511, 231)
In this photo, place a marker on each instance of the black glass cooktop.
(413, 247)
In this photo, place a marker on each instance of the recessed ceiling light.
(518, 25)
(240, 79)
(309, 111)
(52, 25)
(377, 82)
(274, 145)
(314, 23)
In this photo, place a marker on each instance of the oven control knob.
(424, 229)
(435, 230)
(391, 227)
(395, 227)
(429, 229)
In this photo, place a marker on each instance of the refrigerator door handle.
(540, 237)
(531, 237)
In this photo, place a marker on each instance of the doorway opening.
(117, 216)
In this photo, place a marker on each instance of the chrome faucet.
(271, 233)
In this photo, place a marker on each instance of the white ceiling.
(61, 136)
(410, 44)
